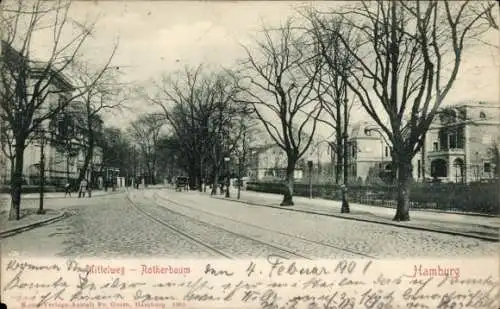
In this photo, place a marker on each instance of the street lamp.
(310, 166)
(226, 160)
(41, 134)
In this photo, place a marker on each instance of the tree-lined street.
(164, 223)
(209, 132)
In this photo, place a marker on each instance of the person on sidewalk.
(67, 189)
(82, 188)
(345, 203)
(89, 190)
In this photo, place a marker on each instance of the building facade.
(457, 148)
(368, 155)
(459, 144)
(62, 137)
(268, 163)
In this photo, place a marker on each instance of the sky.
(157, 37)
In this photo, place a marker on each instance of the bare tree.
(333, 92)
(29, 88)
(145, 131)
(407, 57)
(199, 108)
(280, 78)
(96, 97)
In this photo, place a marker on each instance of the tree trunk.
(403, 185)
(67, 168)
(200, 188)
(215, 182)
(16, 182)
(288, 195)
(338, 165)
(345, 145)
(88, 157)
(338, 150)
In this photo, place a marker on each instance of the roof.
(35, 67)
(473, 104)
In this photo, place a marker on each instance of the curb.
(31, 226)
(487, 238)
(62, 197)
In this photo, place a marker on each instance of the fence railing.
(483, 198)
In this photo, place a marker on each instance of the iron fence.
(482, 198)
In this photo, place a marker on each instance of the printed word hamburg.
(156, 269)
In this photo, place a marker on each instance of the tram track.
(204, 243)
(178, 231)
(319, 243)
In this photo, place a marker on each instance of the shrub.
(475, 197)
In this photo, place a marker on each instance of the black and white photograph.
(241, 130)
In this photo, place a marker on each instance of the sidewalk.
(29, 220)
(55, 209)
(51, 195)
(486, 228)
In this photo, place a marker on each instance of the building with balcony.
(458, 146)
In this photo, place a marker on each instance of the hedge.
(480, 198)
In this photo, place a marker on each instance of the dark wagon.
(181, 183)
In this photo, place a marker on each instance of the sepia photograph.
(271, 130)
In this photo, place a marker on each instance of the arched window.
(438, 168)
(482, 115)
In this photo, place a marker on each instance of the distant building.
(368, 155)
(268, 162)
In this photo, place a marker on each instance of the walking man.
(89, 189)
(345, 202)
(67, 189)
(83, 188)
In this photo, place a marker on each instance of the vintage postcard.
(267, 154)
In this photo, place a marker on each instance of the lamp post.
(310, 166)
(226, 160)
(239, 177)
(42, 170)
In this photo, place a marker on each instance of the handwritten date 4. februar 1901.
(280, 266)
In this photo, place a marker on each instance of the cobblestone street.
(189, 224)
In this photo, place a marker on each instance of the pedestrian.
(67, 189)
(345, 203)
(82, 188)
(89, 190)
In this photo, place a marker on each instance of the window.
(452, 140)
(487, 167)
(436, 148)
(419, 167)
(353, 151)
(487, 140)
(462, 114)
(482, 115)
(386, 151)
